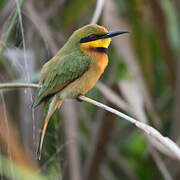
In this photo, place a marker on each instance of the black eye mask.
(90, 37)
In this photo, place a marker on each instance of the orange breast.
(101, 62)
(87, 81)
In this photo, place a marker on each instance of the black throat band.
(102, 49)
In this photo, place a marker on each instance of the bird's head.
(93, 38)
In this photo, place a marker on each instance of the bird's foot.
(78, 97)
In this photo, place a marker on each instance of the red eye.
(91, 36)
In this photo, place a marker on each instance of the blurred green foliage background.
(142, 80)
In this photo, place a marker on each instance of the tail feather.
(55, 103)
(42, 98)
(37, 101)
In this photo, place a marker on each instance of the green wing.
(60, 73)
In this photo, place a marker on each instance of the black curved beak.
(112, 34)
(107, 35)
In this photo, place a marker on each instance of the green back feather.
(62, 70)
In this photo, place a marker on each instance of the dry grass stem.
(165, 141)
(97, 12)
(18, 85)
(172, 148)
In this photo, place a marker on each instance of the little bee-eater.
(75, 68)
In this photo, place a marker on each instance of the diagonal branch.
(165, 141)
(172, 148)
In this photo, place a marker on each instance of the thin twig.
(19, 85)
(165, 141)
(168, 143)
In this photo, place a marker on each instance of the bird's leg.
(78, 97)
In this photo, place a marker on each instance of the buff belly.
(86, 82)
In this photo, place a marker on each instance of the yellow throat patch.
(95, 44)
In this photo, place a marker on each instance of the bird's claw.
(78, 97)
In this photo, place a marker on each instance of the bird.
(74, 70)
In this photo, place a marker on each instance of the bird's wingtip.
(35, 104)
